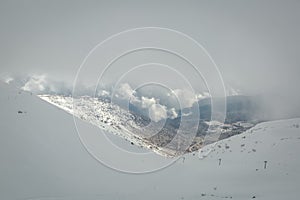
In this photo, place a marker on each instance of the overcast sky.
(255, 44)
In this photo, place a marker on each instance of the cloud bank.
(158, 105)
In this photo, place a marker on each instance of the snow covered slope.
(42, 158)
(161, 137)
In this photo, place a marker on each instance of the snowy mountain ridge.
(137, 128)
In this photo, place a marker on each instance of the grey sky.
(255, 44)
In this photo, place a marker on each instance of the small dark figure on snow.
(265, 166)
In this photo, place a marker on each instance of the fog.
(254, 44)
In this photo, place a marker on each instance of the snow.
(117, 120)
(43, 158)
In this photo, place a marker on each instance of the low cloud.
(150, 105)
(38, 84)
(186, 98)
(172, 113)
(124, 91)
(157, 106)
(157, 112)
(147, 102)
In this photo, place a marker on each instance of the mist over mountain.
(148, 109)
(164, 104)
(138, 100)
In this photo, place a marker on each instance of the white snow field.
(41, 157)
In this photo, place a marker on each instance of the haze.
(255, 44)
